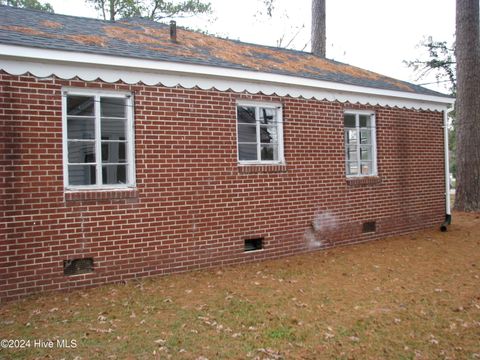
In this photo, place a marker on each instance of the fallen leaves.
(384, 299)
(269, 354)
(328, 335)
(101, 331)
(433, 340)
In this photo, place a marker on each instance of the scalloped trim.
(222, 83)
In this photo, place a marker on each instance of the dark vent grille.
(253, 244)
(77, 266)
(368, 227)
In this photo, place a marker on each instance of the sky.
(376, 35)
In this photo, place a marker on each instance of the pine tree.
(28, 4)
(318, 28)
(150, 9)
(467, 196)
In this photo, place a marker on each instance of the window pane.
(112, 107)
(247, 151)
(114, 174)
(365, 153)
(113, 129)
(365, 137)
(364, 120)
(247, 133)
(268, 134)
(349, 120)
(352, 168)
(81, 152)
(80, 105)
(267, 116)
(269, 152)
(113, 152)
(366, 167)
(351, 137)
(358, 144)
(81, 175)
(352, 153)
(80, 128)
(246, 115)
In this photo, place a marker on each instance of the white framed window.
(98, 148)
(259, 133)
(360, 143)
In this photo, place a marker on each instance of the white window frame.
(279, 119)
(130, 137)
(357, 114)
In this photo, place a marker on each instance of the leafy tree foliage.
(269, 6)
(459, 66)
(441, 62)
(28, 4)
(150, 9)
(273, 9)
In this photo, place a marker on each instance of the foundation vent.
(253, 244)
(369, 227)
(77, 266)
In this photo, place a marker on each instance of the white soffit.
(18, 60)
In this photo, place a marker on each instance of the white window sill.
(86, 194)
(241, 163)
(363, 180)
(262, 168)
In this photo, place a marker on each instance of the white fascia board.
(18, 60)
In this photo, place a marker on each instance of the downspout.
(448, 214)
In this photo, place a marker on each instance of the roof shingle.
(145, 39)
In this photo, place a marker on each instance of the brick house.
(128, 151)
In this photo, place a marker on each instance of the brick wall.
(193, 205)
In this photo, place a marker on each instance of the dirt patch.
(409, 297)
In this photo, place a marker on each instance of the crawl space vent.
(253, 244)
(369, 226)
(77, 266)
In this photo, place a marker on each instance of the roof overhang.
(18, 60)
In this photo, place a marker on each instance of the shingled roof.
(145, 39)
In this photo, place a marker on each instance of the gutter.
(448, 214)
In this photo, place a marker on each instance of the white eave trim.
(18, 60)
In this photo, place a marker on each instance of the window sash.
(123, 163)
(360, 153)
(273, 127)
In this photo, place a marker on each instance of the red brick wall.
(193, 205)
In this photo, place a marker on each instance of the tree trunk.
(318, 28)
(467, 196)
(112, 10)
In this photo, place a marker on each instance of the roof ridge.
(140, 37)
(126, 20)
